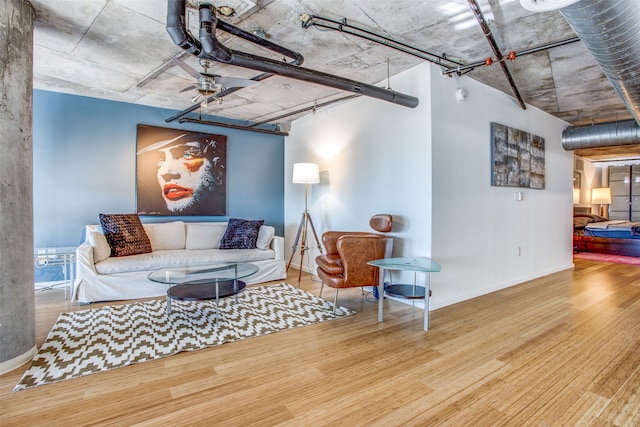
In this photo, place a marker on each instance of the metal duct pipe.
(254, 62)
(177, 30)
(212, 49)
(602, 135)
(232, 126)
(610, 30)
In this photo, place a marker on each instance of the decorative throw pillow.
(125, 234)
(101, 248)
(265, 235)
(241, 234)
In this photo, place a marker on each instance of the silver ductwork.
(602, 135)
(610, 30)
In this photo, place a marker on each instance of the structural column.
(17, 301)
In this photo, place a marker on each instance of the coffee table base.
(203, 292)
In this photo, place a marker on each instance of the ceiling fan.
(207, 84)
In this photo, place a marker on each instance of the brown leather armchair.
(344, 265)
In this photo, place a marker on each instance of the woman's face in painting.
(184, 175)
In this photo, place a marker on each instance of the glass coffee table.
(204, 282)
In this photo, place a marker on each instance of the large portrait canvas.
(180, 172)
(517, 158)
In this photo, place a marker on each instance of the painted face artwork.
(185, 174)
(180, 172)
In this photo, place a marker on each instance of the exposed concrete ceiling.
(120, 50)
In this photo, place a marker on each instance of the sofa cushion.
(180, 258)
(125, 234)
(241, 234)
(204, 235)
(101, 248)
(166, 235)
(265, 235)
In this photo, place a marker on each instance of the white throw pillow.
(166, 235)
(204, 235)
(101, 248)
(265, 235)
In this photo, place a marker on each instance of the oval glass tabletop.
(203, 274)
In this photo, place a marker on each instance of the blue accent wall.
(84, 163)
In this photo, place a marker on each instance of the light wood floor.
(563, 350)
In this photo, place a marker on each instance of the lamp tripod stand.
(303, 231)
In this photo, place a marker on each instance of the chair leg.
(335, 301)
(321, 286)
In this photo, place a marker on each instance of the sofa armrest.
(277, 244)
(85, 265)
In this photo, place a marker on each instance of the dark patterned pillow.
(125, 234)
(241, 234)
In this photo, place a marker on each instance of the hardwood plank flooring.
(562, 350)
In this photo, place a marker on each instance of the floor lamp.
(304, 173)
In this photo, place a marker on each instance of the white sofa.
(100, 277)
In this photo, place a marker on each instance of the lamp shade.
(601, 196)
(306, 173)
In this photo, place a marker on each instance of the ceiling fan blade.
(234, 81)
(188, 88)
(186, 67)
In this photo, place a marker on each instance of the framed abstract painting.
(517, 158)
(180, 172)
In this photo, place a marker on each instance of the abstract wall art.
(517, 158)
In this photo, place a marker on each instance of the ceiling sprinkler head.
(305, 17)
(260, 33)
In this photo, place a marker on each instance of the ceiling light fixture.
(545, 5)
(226, 11)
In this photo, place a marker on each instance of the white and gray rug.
(96, 340)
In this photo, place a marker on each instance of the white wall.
(593, 175)
(374, 157)
(430, 168)
(477, 228)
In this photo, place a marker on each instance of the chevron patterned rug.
(96, 340)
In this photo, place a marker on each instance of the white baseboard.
(48, 285)
(497, 287)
